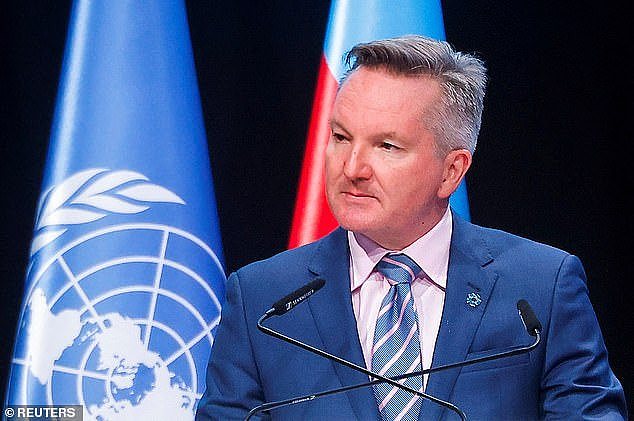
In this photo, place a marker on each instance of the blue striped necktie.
(396, 346)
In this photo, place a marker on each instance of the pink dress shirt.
(431, 253)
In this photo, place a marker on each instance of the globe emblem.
(121, 321)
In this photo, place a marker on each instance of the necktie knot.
(398, 268)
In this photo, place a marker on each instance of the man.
(410, 285)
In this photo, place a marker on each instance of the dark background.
(552, 161)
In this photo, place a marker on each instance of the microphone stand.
(381, 379)
(299, 399)
(530, 321)
(533, 329)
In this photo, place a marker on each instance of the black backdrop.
(552, 161)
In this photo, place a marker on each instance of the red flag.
(312, 218)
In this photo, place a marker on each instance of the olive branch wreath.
(93, 194)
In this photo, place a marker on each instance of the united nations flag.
(125, 279)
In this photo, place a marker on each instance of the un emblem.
(120, 318)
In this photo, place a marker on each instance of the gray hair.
(462, 77)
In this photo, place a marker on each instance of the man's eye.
(388, 146)
(338, 137)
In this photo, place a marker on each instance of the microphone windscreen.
(531, 322)
(291, 300)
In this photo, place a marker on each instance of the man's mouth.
(357, 194)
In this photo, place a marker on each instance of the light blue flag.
(125, 280)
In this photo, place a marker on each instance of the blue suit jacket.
(566, 377)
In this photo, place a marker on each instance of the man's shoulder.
(522, 267)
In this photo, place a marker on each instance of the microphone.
(531, 323)
(529, 319)
(289, 302)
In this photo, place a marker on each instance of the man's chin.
(356, 224)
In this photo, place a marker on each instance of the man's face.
(383, 177)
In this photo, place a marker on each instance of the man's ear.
(456, 164)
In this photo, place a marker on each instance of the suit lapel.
(334, 317)
(467, 274)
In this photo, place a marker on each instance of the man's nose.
(357, 165)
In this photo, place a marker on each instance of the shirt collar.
(430, 252)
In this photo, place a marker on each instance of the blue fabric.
(126, 247)
(354, 21)
(566, 377)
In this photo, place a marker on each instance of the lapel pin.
(473, 299)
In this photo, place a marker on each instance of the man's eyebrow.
(387, 135)
(334, 124)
